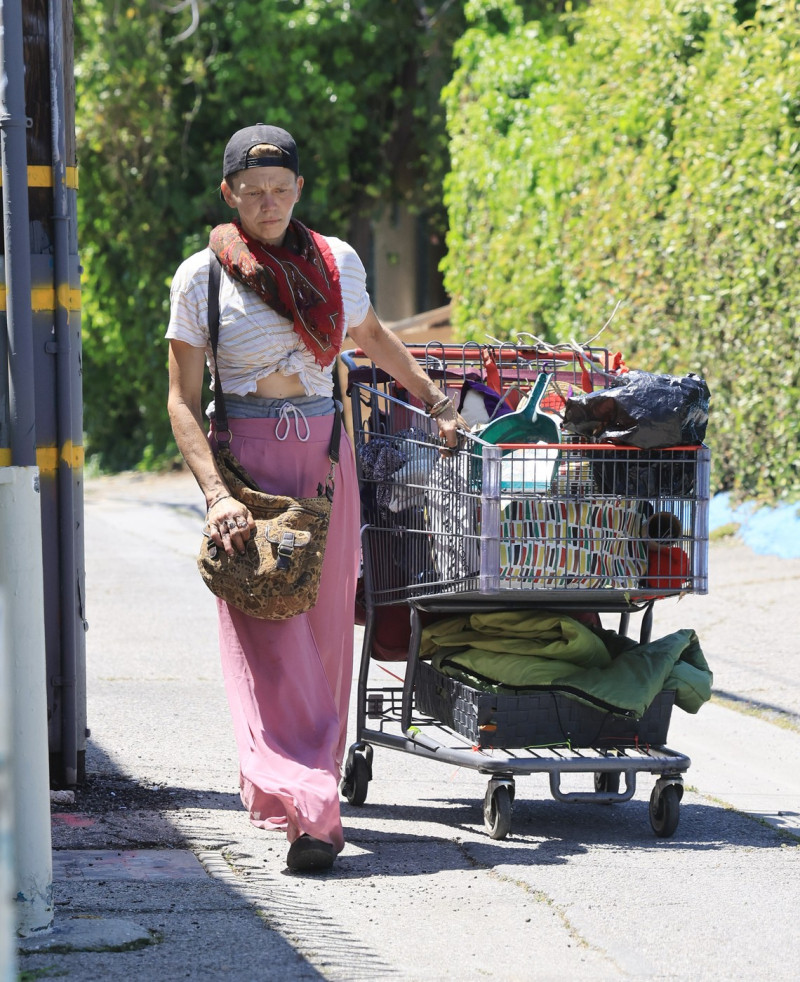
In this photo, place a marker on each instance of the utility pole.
(50, 376)
(41, 445)
(20, 508)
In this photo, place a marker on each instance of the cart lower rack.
(394, 717)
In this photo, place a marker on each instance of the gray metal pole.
(5, 420)
(13, 124)
(21, 570)
(68, 527)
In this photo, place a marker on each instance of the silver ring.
(231, 524)
(241, 523)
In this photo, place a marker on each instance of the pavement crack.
(537, 896)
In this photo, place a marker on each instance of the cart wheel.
(356, 780)
(606, 782)
(497, 812)
(665, 808)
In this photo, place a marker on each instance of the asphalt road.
(421, 892)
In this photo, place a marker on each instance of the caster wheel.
(497, 812)
(665, 810)
(606, 781)
(356, 780)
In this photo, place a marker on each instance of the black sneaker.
(310, 855)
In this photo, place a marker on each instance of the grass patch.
(769, 714)
(724, 531)
(40, 973)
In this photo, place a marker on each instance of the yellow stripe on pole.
(72, 455)
(48, 458)
(5, 456)
(42, 177)
(43, 298)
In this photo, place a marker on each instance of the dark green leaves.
(652, 159)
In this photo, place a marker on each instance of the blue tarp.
(767, 531)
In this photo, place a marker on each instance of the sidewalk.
(158, 875)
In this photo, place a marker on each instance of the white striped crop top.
(254, 341)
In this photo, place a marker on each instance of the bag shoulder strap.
(214, 276)
(220, 413)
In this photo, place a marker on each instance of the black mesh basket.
(535, 719)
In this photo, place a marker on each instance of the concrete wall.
(395, 262)
(405, 278)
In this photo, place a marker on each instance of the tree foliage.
(356, 81)
(647, 154)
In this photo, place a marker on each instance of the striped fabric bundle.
(595, 543)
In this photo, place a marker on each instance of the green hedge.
(648, 155)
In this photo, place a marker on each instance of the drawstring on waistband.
(288, 412)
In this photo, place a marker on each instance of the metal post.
(21, 582)
(69, 508)
(44, 343)
(21, 569)
(7, 954)
(13, 124)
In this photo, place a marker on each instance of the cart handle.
(593, 446)
(436, 349)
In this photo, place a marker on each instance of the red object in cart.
(667, 568)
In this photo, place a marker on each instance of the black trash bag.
(643, 410)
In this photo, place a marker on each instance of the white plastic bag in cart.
(528, 469)
(408, 483)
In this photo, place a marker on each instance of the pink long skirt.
(288, 682)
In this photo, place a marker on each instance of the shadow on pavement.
(158, 864)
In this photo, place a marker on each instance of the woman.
(288, 297)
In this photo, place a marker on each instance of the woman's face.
(264, 198)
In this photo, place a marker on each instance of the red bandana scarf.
(298, 280)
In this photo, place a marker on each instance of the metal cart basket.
(522, 518)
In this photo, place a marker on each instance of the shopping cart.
(524, 518)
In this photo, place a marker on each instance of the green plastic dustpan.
(527, 424)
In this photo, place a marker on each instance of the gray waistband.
(256, 407)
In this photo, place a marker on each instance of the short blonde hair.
(258, 152)
(264, 150)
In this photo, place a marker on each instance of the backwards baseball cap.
(237, 153)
